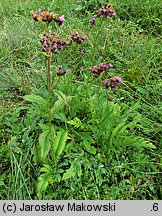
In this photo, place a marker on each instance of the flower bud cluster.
(102, 67)
(60, 72)
(113, 82)
(97, 70)
(105, 12)
(92, 20)
(57, 44)
(46, 16)
(77, 39)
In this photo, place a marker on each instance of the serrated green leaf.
(88, 147)
(36, 153)
(116, 131)
(62, 97)
(46, 168)
(76, 122)
(44, 126)
(147, 144)
(135, 105)
(69, 173)
(70, 146)
(62, 142)
(61, 116)
(58, 144)
(42, 53)
(57, 106)
(133, 142)
(134, 122)
(44, 142)
(35, 99)
(43, 182)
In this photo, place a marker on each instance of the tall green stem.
(49, 81)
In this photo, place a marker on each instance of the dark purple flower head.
(66, 71)
(96, 75)
(62, 19)
(113, 82)
(54, 47)
(62, 42)
(106, 12)
(116, 87)
(61, 73)
(59, 67)
(92, 69)
(102, 67)
(44, 37)
(61, 47)
(85, 37)
(118, 79)
(113, 13)
(77, 39)
(92, 20)
(105, 82)
(110, 66)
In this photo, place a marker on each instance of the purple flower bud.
(93, 20)
(105, 82)
(92, 69)
(54, 47)
(95, 75)
(112, 84)
(62, 42)
(97, 12)
(39, 11)
(118, 79)
(116, 87)
(61, 47)
(62, 19)
(110, 66)
(113, 14)
(66, 71)
(44, 37)
(73, 34)
(104, 10)
(59, 67)
(85, 37)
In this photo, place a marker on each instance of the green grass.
(131, 41)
